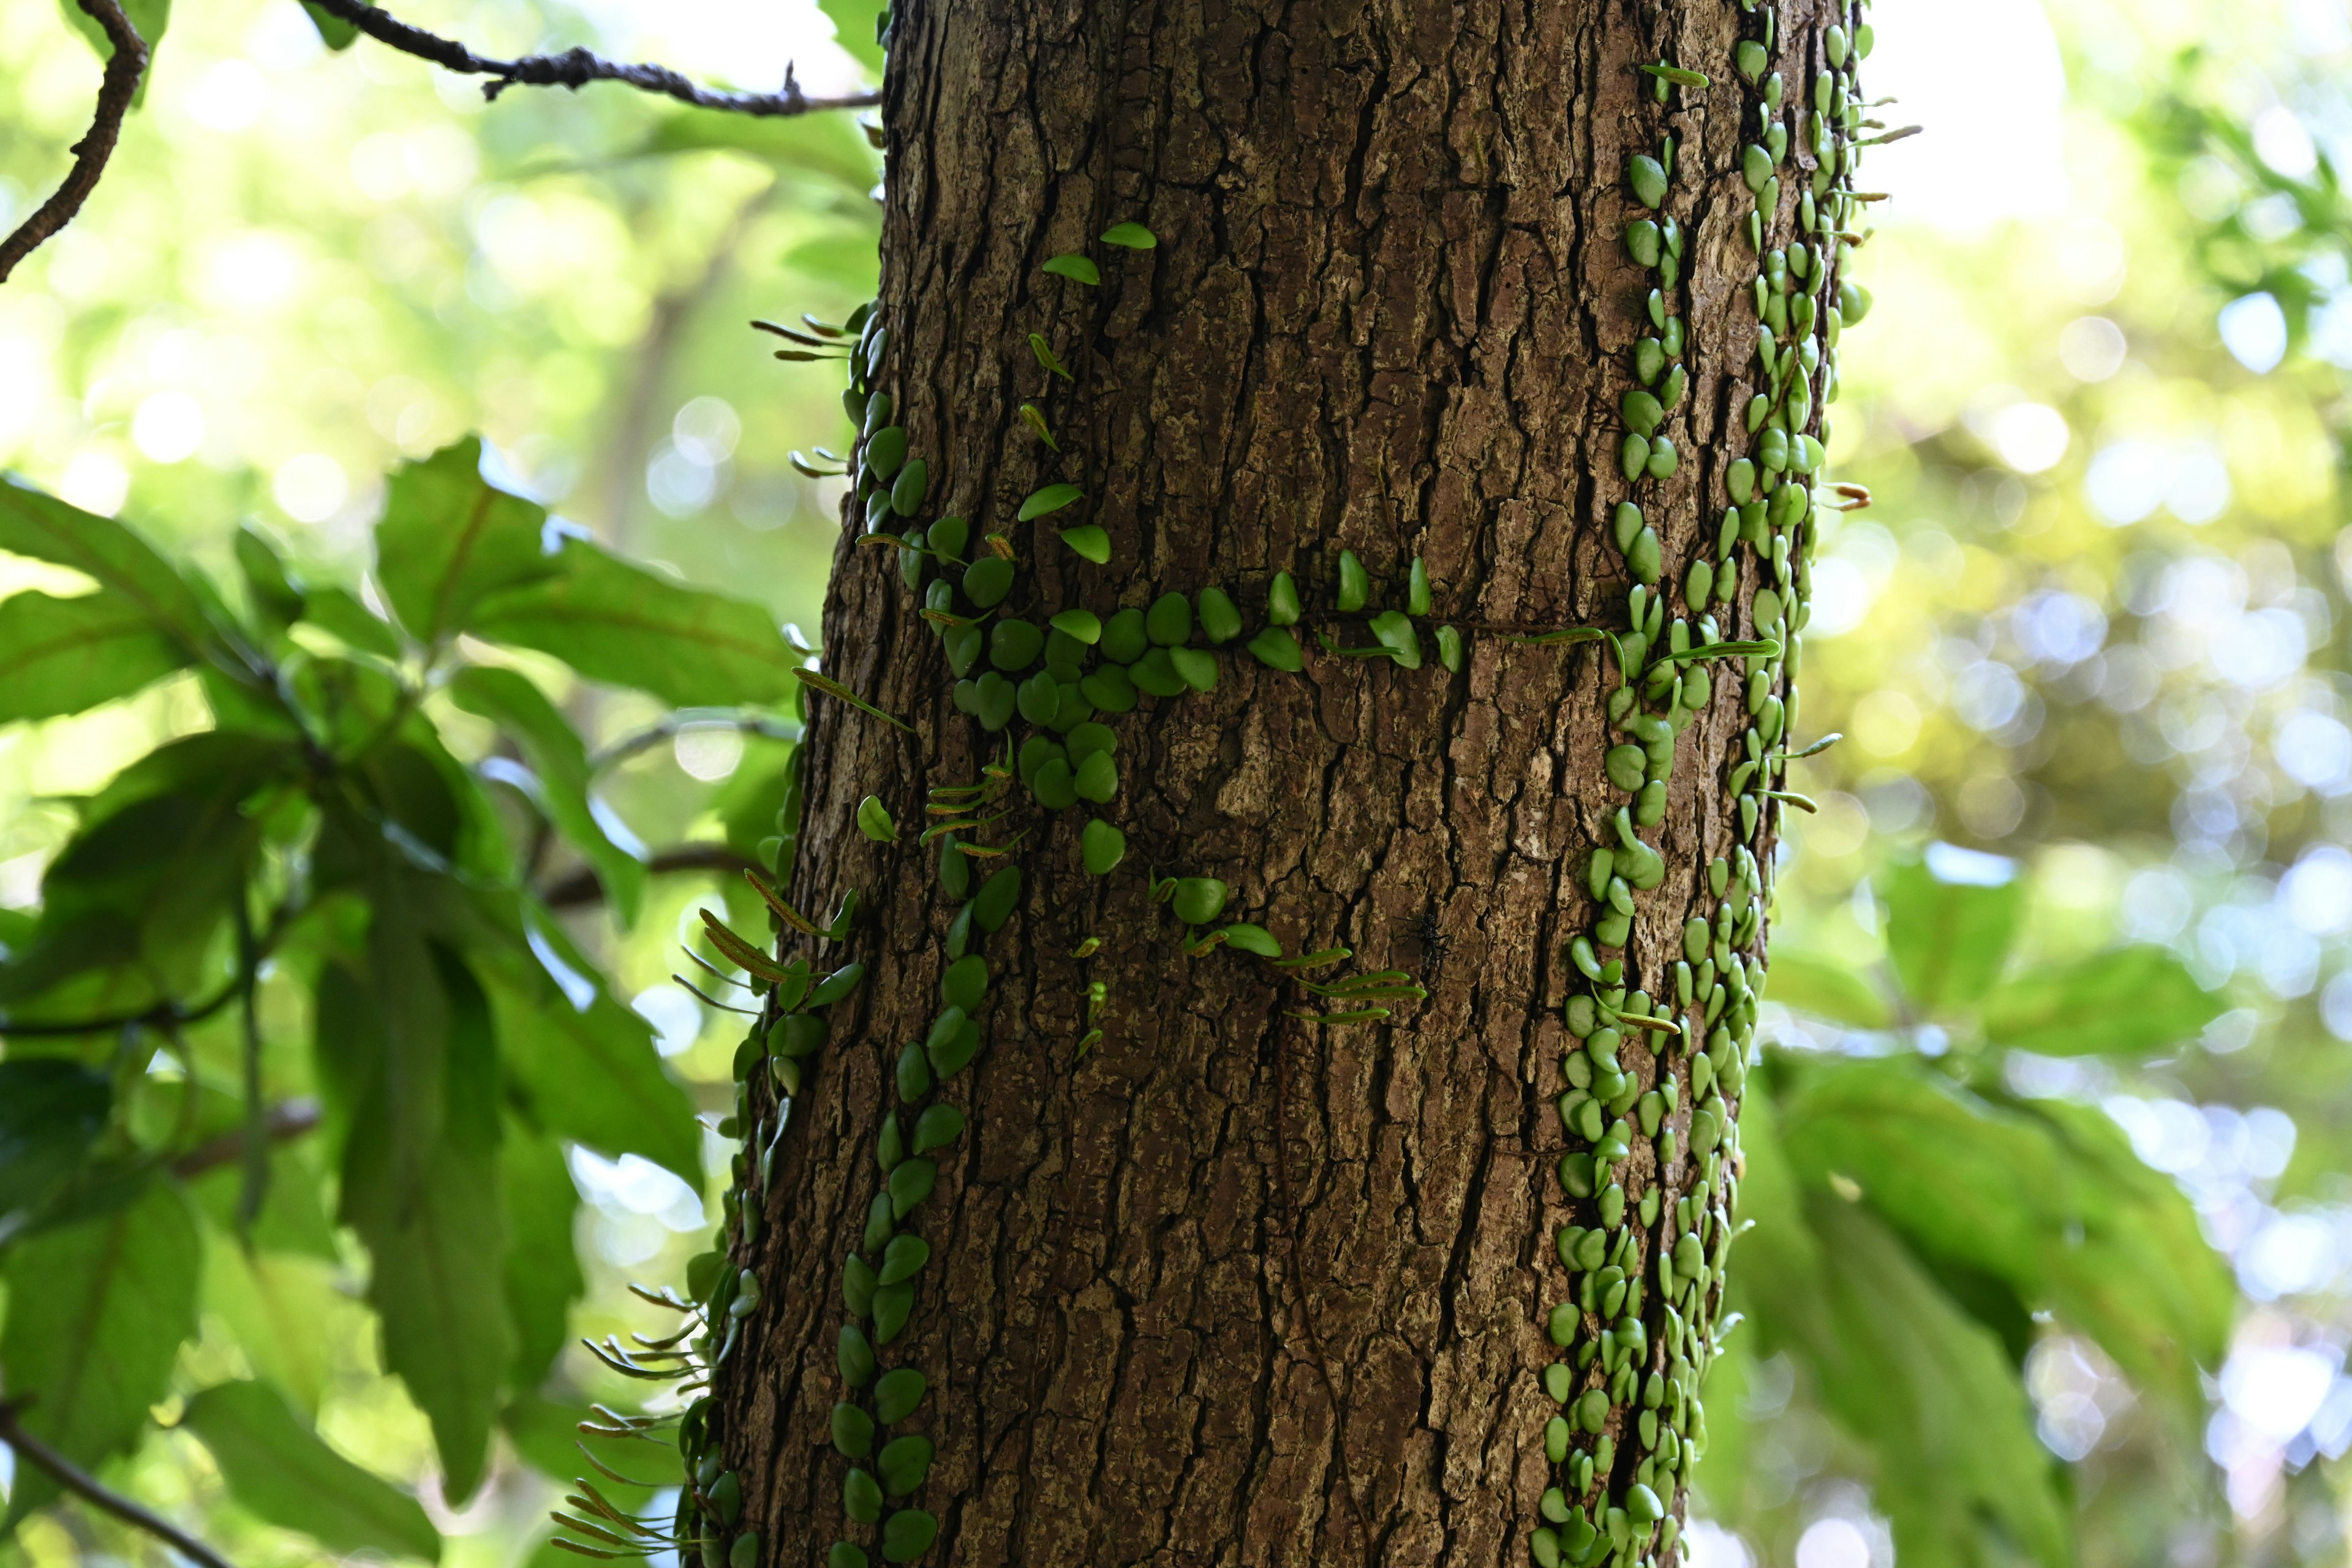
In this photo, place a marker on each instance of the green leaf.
(280, 1472)
(1051, 498)
(418, 1197)
(585, 1065)
(1077, 269)
(47, 529)
(854, 26)
(1950, 918)
(825, 153)
(290, 1315)
(2124, 1002)
(1960, 1176)
(1827, 988)
(2128, 1263)
(96, 1310)
(148, 18)
(450, 539)
(62, 655)
(1930, 1392)
(1933, 1392)
(50, 1112)
(1090, 541)
(293, 1217)
(340, 613)
(2045, 1197)
(333, 31)
(543, 1275)
(558, 766)
(619, 623)
(1130, 235)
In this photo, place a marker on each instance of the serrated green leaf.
(1949, 938)
(2131, 1267)
(96, 1309)
(437, 1249)
(2123, 1002)
(280, 1470)
(63, 655)
(449, 538)
(559, 766)
(1826, 988)
(614, 622)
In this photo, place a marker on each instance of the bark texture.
(1228, 1288)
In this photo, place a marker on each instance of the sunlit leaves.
(62, 655)
(1949, 937)
(1895, 1359)
(449, 538)
(2124, 1002)
(612, 621)
(47, 529)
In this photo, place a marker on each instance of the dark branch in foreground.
(87, 1487)
(581, 888)
(115, 90)
(574, 68)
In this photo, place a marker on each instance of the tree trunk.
(1224, 1285)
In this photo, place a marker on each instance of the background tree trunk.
(1230, 1288)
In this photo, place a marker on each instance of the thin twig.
(285, 1120)
(164, 1014)
(575, 68)
(81, 1483)
(116, 89)
(582, 888)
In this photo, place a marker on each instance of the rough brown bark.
(1229, 1287)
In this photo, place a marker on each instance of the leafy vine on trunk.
(1656, 1062)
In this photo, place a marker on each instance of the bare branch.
(287, 1120)
(116, 89)
(82, 1484)
(575, 68)
(582, 887)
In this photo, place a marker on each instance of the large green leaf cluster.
(1915, 1218)
(323, 837)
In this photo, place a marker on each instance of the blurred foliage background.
(2088, 640)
